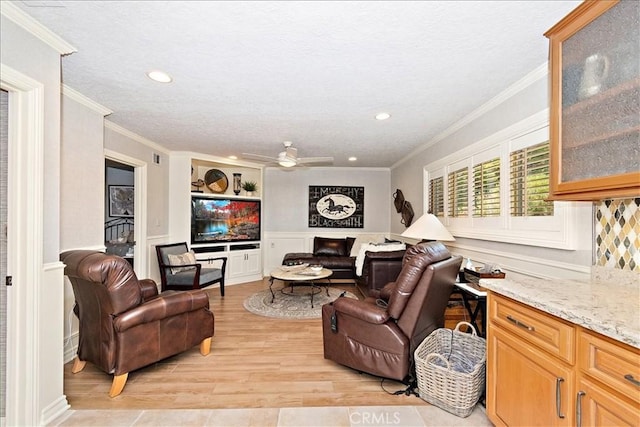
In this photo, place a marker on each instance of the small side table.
(473, 292)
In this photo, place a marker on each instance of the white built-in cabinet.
(244, 259)
(244, 263)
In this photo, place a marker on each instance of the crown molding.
(26, 21)
(87, 102)
(532, 77)
(142, 140)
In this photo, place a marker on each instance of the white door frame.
(25, 243)
(140, 264)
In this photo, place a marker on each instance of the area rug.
(292, 306)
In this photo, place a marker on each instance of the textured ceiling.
(249, 75)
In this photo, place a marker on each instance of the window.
(486, 188)
(436, 196)
(459, 193)
(496, 189)
(530, 181)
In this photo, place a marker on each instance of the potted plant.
(249, 187)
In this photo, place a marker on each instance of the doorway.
(119, 225)
(119, 169)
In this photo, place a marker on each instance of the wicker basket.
(450, 368)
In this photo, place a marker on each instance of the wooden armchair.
(180, 271)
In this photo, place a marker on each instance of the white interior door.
(4, 159)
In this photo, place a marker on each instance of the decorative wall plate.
(216, 180)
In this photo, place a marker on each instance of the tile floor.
(367, 416)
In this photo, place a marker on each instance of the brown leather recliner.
(124, 324)
(380, 340)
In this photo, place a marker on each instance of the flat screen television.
(220, 220)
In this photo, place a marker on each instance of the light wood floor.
(255, 362)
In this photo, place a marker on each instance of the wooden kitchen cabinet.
(522, 383)
(609, 382)
(542, 370)
(599, 407)
(530, 372)
(595, 102)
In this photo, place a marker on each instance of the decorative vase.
(236, 183)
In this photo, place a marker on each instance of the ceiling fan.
(288, 158)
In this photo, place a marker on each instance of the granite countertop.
(601, 304)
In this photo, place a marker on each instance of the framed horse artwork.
(336, 206)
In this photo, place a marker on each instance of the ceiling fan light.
(286, 163)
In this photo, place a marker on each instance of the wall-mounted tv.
(220, 220)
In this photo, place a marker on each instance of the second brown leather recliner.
(124, 324)
(380, 336)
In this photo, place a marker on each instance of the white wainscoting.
(519, 264)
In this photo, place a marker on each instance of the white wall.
(286, 201)
(35, 322)
(286, 197)
(81, 177)
(523, 99)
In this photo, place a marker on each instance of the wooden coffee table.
(298, 277)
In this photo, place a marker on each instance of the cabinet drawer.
(614, 364)
(541, 329)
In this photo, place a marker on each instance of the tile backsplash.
(617, 229)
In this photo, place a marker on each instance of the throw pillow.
(326, 246)
(182, 259)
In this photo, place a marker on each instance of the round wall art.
(336, 206)
(216, 180)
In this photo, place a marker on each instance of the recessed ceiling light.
(159, 76)
(382, 116)
(233, 157)
(353, 159)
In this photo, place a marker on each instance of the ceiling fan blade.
(308, 160)
(292, 153)
(259, 157)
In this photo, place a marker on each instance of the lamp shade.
(428, 227)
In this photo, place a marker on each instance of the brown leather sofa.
(380, 336)
(378, 269)
(124, 324)
(332, 253)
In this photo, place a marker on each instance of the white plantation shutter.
(458, 182)
(486, 188)
(529, 172)
(436, 196)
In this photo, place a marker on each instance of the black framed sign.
(336, 207)
(121, 201)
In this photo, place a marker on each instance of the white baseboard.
(54, 410)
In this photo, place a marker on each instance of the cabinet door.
(252, 263)
(595, 114)
(600, 407)
(244, 263)
(526, 386)
(236, 263)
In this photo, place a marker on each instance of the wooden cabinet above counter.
(595, 102)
